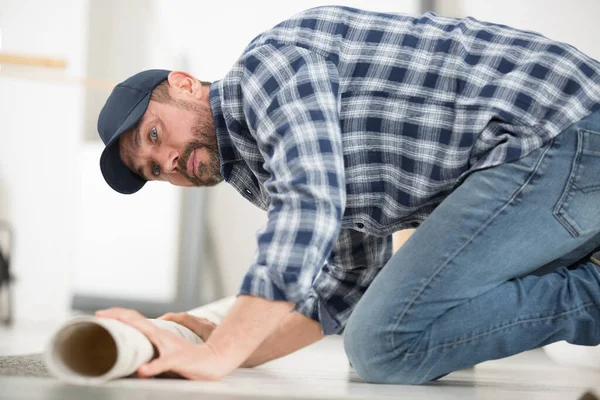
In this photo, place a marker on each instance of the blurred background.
(77, 245)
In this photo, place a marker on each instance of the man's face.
(175, 142)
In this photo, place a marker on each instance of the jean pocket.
(578, 208)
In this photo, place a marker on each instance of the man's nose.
(169, 161)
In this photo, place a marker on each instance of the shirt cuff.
(309, 308)
(257, 282)
(314, 309)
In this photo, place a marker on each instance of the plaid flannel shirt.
(347, 125)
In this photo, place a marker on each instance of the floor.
(320, 371)
(25, 337)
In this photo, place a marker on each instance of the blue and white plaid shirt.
(347, 126)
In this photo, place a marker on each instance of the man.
(347, 126)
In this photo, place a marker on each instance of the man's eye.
(153, 133)
(156, 170)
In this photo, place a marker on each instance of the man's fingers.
(154, 367)
(175, 365)
(201, 326)
(116, 312)
(137, 320)
(169, 316)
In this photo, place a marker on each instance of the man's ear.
(182, 83)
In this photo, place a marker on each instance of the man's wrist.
(249, 322)
(294, 332)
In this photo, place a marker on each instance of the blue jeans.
(501, 266)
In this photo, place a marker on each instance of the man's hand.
(192, 361)
(295, 332)
(200, 326)
(249, 322)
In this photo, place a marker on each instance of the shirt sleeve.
(355, 261)
(291, 104)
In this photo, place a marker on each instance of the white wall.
(128, 245)
(572, 21)
(40, 124)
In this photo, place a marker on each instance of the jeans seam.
(502, 328)
(399, 317)
(563, 200)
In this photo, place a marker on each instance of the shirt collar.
(227, 151)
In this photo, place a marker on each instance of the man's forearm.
(247, 324)
(295, 332)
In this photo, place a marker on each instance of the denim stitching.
(563, 200)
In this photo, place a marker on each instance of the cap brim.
(115, 172)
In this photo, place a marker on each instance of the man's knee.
(376, 357)
(362, 346)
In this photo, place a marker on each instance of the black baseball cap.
(123, 109)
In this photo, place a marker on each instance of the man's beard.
(205, 137)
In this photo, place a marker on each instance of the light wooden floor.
(321, 371)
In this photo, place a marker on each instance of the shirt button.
(360, 225)
(248, 192)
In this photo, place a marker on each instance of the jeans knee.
(372, 354)
(360, 347)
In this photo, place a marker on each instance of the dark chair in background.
(5, 275)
